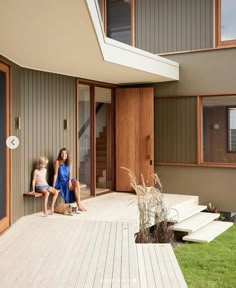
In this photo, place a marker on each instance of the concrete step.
(208, 232)
(195, 222)
(179, 213)
(176, 200)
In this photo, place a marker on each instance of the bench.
(36, 194)
(33, 194)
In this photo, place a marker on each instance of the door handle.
(149, 147)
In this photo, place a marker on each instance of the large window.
(226, 22)
(118, 17)
(219, 129)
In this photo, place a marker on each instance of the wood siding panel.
(177, 25)
(42, 101)
(175, 130)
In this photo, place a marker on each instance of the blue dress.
(62, 183)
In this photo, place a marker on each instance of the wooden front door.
(134, 135)
(4, 151)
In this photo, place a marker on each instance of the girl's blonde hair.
(43, 160)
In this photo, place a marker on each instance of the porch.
(93, 249)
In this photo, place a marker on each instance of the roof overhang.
(67, 37)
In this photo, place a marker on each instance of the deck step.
(195, 222)
(208, 232)
(181, 213)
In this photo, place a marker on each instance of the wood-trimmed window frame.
(218, 41)
(132, 20)
(5, 222)
(200, 161)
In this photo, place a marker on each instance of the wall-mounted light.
(215, 126)
(65, 124)
(18, 123)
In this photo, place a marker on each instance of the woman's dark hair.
(68, 160)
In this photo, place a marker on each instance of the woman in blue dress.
(63, 181)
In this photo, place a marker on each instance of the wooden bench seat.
(33, 194)
(36, 194)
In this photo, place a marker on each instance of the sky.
(228, 19)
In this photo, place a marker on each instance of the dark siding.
(43, 101)
(175, 130)
(173, 25)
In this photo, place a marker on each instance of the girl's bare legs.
(76, 188)
(54, 197)
(45, 201)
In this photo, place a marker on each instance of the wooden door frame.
(92, 84)
(5, 222)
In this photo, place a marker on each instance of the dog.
(65, 209)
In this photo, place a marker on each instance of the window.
(226, 22)
(219, 129)
(118, 19)
(231, 129)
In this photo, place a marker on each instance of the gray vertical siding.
(43, 101)
(173, 25)
(175, 130)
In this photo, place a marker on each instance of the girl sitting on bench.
(40, 185)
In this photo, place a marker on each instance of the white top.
(41, 177)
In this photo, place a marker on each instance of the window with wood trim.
(225, 23)
(118, 19)
(219, 129)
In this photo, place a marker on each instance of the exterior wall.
(168, 25)
(42, 101)
(201, 73)
(212, 185)
(175, 130)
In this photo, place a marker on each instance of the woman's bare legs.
(76, 188)
(45, 201)
(54, 197)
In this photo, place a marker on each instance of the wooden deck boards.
(61, 252)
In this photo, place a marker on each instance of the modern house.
(145, 84)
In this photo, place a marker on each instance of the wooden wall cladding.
(175, 130)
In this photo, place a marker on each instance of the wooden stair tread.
(195, 222)
(209, 232)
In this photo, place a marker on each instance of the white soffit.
(66, 37)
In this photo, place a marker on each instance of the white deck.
(80, 251)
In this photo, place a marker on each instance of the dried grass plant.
(153, 215)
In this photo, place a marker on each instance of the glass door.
(84, 139)
(95, 138)
(4, 151)
(103, 134)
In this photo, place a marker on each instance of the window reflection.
(119, 20)
(228, 20)
(219, 129)
(232, 129)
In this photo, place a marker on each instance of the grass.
(210, 265)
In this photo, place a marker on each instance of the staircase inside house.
(101, 162)
(189, 218)
(101, 159)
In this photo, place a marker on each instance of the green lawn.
(211, 265)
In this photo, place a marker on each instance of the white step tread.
(208, 232)
(195, 222)
(183, 212)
